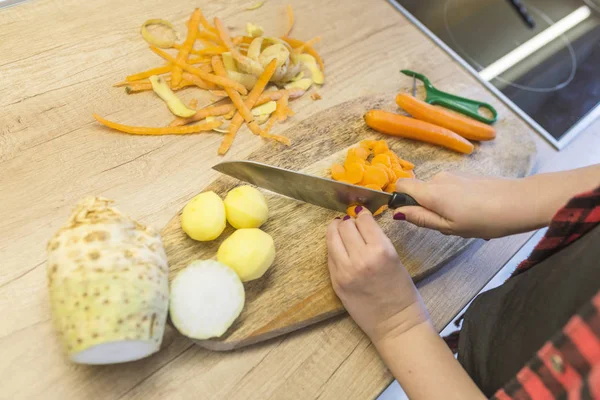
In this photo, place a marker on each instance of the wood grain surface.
(296, 290)
(58, 61)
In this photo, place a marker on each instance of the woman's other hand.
(369, 278)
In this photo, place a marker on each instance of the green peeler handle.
(460, 104)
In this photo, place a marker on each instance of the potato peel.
(256, 5)
(155, 41)
(174, 103)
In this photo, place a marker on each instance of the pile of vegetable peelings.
(258, 74)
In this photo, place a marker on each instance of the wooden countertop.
(58, 60)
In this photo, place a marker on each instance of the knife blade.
(322, 192)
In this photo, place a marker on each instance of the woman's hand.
(475, 206)
(467, 206)
(369, 278)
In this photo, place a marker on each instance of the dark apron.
(504, 327)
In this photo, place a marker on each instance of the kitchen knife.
(322, 192)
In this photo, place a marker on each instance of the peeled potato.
(249, 252)
(203, 218)
(246, 207)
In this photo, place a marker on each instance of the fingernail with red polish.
(400, 217)
(358, 209)
(346, 218)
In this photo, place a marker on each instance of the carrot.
(206, 24)
(168, 130)
(388, 172)
(219, 80)
(380, 210)
(407, 165)
(290, 16)
(214, 50)
(380, 147)
(464, 126)
(382, 159)
(355, 173)
(147, 74)
(391, 187)
(338, 172)
(145, 85)
(354, 159)
(201, 60)
(373, 187)
(367, 144)
(295, 43)
(218, 93)
(307, 44)
(410, 128)
(235, 97)
(211, 37)
(361, 152)
(351, 211)
(213, 111)
(198, 81)
(226, 108)
(253, 96)
(279, 113)
(186, 47)
(376, 176)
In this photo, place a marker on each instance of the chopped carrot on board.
(375, 176)
(374, 166)
(355, 173)
(338, 172)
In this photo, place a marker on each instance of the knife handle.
(401, 200)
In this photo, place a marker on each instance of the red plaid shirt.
(568, 365)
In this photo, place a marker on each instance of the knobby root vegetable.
(246, 207)
(206, 298)
(250, 252)
(108, 283)
(203, 218)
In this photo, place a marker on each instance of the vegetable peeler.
(460, 104)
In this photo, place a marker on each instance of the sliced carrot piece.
(368, 144)
(388, 172)
(351, 211)
(373, 187)
(402, 174)
(391, 187)
(355, 173)
(382, 159)
(376, 176)
(362, 152)
(406, 164)
(350, 160)
(380, 147)
(338, 172)
(380, 210)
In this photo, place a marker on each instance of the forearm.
(425, 367)
(547, 193)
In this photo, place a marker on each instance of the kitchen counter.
(58, 61)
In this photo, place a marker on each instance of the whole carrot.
(410, 128)
(464, 126)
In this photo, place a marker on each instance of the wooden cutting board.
(296, 291)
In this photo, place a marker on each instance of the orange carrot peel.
(187, 46)
(218, 80)
(169, 130)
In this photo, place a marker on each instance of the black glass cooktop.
(549, 74)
